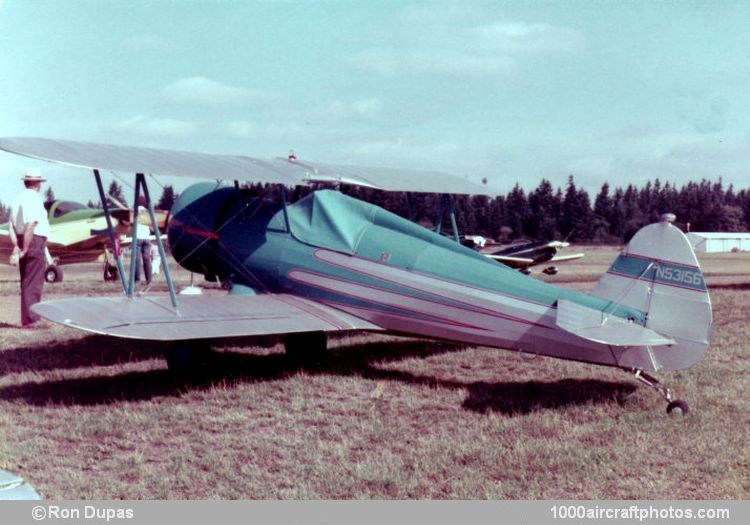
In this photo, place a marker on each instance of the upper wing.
(513, 262)
(234, 167)
(199, 317)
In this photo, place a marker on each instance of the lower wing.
(198, 317)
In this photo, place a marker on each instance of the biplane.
(325, 263)
(80, 234)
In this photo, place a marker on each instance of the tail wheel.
(678, 407)
(53, 274)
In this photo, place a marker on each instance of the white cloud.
(164, 127)
(242, 129)
(452, 40)
(341, 111)
(391, 62)
(515, 38)
(207, 92)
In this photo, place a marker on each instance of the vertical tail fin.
(658, 273)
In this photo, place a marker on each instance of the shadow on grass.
(91, 350)
(227, 368)
(735, 286)
(531, 396)
(223, 368)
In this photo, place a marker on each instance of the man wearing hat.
(29, 229)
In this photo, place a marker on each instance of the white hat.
(33, 175)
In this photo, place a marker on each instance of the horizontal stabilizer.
(607, 329)
(198, 317)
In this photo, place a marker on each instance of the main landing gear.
(306, 348)
(189, 359)
(674, 406)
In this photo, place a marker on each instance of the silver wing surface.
(235, 167)
(199, 317)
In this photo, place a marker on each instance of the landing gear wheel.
(678, 407)
(53, 274)
(675, 406)
(189, 359)
(110, 272)
(306, 348)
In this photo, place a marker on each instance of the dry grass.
(382, 417)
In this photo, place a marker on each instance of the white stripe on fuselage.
(459, 292)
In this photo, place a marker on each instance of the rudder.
(658, 273)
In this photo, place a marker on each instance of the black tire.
(53, 274)
(306, 347)
(189, 359)
(678, 407)
(110, 272)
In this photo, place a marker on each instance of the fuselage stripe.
(420, 274)
(291, 275)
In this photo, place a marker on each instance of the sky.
(514, 91)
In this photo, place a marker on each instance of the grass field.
(85, 417)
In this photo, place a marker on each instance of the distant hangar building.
(715, 242)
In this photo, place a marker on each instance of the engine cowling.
(214, 229)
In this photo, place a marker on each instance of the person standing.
(29, 229)
(143, 255)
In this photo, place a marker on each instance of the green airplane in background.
(79, 234)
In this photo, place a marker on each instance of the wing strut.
(446, 201)
(111, 230)
(452, 213)
(140, 181)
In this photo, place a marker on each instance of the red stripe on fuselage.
(201, 233)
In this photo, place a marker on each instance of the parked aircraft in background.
(79, 234)
(329, 263)
(522, 255)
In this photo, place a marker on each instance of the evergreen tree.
(517, 211)
(545, 211)
(4, 213)
(575, 220)
(603, 216)
(482, 211)
(115, 190)
(167, 198)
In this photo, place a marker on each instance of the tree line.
(546, 212)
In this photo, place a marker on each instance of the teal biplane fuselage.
(401, 277)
